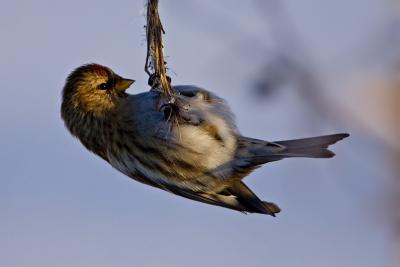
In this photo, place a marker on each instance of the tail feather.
(314, 147)
(252, 153)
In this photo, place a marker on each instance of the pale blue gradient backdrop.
(62, 206)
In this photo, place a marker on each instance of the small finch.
(190, 147)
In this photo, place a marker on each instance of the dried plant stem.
(155, 59)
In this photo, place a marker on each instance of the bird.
(190, 146)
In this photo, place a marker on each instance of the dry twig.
(155, 58)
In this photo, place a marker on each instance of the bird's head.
(94, 89)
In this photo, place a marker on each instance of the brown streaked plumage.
(196, 151)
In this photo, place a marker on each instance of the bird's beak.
(123, 84)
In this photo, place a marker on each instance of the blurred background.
(288, 68)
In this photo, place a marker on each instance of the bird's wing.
(236, 196)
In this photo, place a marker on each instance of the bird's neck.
(93, 129)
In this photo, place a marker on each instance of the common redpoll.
(191, 147)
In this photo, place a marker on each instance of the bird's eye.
(104, 86)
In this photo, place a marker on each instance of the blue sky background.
(62, 206)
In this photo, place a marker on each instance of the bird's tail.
(253, 152)
(313, 147)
